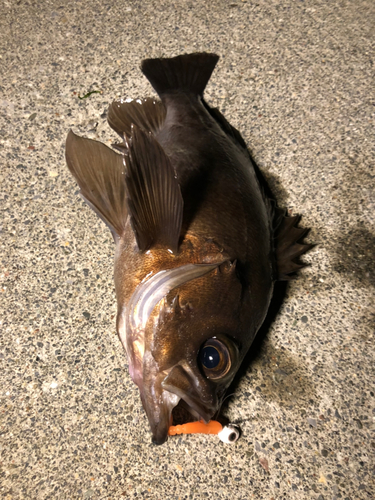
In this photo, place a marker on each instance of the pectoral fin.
(100, 173)
(147, 114)
(154, 197)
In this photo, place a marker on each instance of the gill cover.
(143, 301)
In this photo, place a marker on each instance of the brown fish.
(198, 244)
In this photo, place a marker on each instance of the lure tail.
(188, 72)
(212, 427)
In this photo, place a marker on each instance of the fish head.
(186, 338)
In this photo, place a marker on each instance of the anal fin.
(154, 197)
(288, 244)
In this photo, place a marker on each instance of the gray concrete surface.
(296, 77)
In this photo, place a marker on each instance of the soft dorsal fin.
(288, 244)
(225, 125)
(187, 72)
(148, 114)
(100, 173)
(154, 197)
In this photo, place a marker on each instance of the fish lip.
(160, 425)
(159, 413)
(159, 436)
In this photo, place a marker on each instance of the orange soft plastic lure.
(199, 427)
(228, 434)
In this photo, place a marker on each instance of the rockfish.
(198, 243)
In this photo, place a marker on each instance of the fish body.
(198, 244)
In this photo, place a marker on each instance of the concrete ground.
(296, 78)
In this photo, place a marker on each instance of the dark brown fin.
(225, 125)
(237, 138)
(148, 114)
(121, 147)
(154, 197)
(100, 173)
(188, 72)
(288, 244)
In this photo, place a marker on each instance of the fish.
(199, 244)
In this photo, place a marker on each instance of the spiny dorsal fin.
(287, 244)
(100, 173)
(187, 72)
(154, 197)
(148, 114)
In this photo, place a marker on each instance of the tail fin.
(188, 72)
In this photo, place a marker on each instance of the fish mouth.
(197, 394)
(179, 385)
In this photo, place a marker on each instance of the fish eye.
(215, 359)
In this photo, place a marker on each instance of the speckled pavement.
(297, 79)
